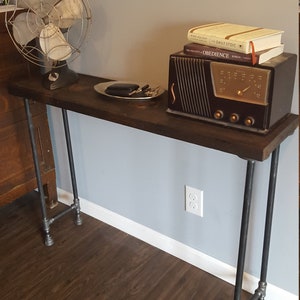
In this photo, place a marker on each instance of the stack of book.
(234, 43)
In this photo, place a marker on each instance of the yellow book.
(234, 37)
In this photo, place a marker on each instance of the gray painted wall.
(141, 175)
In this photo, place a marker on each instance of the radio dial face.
(240, 83)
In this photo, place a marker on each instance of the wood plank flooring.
(92, 261)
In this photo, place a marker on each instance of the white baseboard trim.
(173, 247)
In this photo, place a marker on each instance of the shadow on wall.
(149, 59)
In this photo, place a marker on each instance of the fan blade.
(26, 27)
(41, 8)
(66, 12)
(54, 44)
(32, 4)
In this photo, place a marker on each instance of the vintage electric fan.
(50, 33)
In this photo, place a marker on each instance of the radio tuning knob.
(249, 121)
(234, 118)
(218, 114)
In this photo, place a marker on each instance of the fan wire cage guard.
(48, 33)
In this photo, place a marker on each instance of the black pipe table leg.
(75, 206)
(46, 223)
(244, 229)
(260, 292)
(76, 203)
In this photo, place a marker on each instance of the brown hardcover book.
(214, 53)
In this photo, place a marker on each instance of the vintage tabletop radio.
(243, 96)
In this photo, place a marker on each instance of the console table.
(151, 116)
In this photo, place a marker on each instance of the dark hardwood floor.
(92, 261)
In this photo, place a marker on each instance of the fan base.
(59, 78)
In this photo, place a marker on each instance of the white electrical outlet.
(194, 201)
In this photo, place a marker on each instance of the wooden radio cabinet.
(17, 173)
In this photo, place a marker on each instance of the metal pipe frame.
(244, 229)
(46, 222)
(76, 201)
(260, 292)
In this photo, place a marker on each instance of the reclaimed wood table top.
(151, 116)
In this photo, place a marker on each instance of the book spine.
(217, 54)
(219, 42)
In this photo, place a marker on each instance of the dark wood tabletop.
(151, 116)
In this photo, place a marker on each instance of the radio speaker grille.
(192, 86)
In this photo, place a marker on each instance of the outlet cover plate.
(194, 201)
